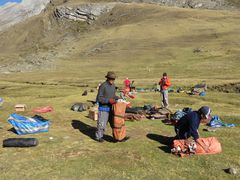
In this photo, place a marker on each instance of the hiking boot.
(124, 139)
(99, 140)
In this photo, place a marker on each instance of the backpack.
(79, 107)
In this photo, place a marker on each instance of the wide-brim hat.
(111, 75)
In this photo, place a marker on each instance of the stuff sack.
(208, 145)
(79, 107)
(27, 125)
(43, 109)
(20, 142)
(119, 129)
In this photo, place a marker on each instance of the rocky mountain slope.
(13, 13)
(40, 41)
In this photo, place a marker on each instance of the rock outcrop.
(13, 13)
(196, 4)
(85, 12)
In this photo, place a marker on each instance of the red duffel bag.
(119, 129)
(208, 145)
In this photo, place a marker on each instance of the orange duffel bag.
(208, 145)
(119, 129)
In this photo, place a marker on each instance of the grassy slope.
(140, 42)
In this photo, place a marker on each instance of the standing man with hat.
(188, 125)
(164, 84)
(106, 98)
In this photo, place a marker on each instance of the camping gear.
(233, 171)
(179, 114)
(170, 90)
(180, 90)
(216, 122)
(203, 93)
(132, 117)
(79, 107)
(135, 110)
(27, 125)
(119, 129)
(20, 107)
(158, 113)
(43, 109)
(20, 142)
(199, 89)
(157, 116)
(208, 145)
(93, 113)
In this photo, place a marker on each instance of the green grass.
(142, 45)
(72, 154)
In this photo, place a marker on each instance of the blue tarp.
(27, 125)
(216, 122)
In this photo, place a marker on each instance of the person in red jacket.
(164, 84)
(127, 83)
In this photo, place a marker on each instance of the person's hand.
(129, 105)
(112, 101)
(189, 140)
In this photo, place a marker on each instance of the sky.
(2, 2)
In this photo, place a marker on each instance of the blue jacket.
(189, 124)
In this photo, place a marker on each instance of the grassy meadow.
(140, 42)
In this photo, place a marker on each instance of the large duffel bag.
(208, 145)
(20, 142)
(119, 129)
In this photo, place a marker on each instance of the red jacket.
(164, 83)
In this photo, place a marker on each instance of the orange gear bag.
(208, 145)
(119, 129)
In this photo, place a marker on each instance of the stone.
(233, 171)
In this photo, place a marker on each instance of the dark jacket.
(188, 125)
(105, 92)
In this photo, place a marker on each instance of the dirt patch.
(227, 88)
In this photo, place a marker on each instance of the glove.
(112, 101)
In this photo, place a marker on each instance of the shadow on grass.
(164, 140)
(89, 130)
(12, 130)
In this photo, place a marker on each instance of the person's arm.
(193, 125)
(101, 97)
(160, 82)
(167, 83)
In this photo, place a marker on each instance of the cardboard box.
(20, 107)
(93, 114)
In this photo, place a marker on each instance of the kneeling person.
(188, 125)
